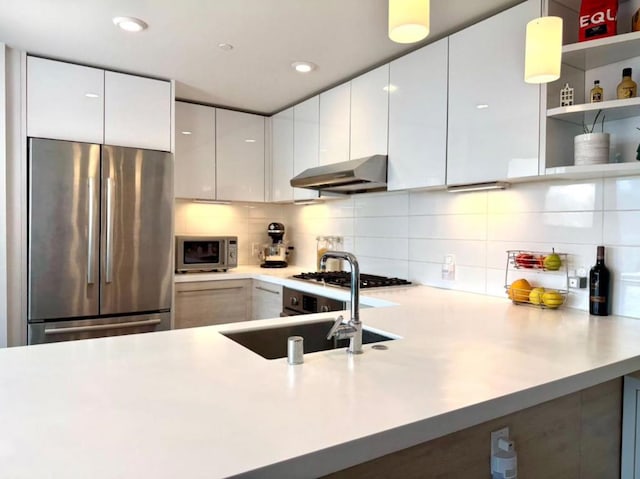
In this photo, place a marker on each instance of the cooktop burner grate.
(343, 279)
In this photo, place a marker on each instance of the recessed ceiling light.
(91, 95)
(482, 106)
(250, 140)
(304, 67)
(130, 24)
(225, 46)
(390, 88)
(185, 132)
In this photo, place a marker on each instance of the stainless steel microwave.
(206, 253)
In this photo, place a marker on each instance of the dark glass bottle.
(599, 286)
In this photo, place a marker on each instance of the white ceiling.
(343, 37)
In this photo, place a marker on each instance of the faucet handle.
(335, 327)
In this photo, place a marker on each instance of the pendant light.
(543, 50)
(408, 20)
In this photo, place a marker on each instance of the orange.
(519, 290)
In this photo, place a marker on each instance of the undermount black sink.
(271, 343)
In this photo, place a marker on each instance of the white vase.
(591, 149)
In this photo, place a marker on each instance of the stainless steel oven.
(296, 302)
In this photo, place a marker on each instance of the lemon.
(535, 296)
(552, 299)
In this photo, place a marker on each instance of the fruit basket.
(537, 278)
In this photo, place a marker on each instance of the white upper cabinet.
(370, 113)
(494, 116)
(240, 156)
(137, 112)
(335, 119)
(195, 156)
(64, 101)
(305, 142)
(418, 118)
(282, 155)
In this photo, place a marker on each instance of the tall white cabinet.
(370, 113)
(418, 118)
(240, 164)
(195, 156)
(335, 124)
(282, 155)
(306, 116)
(493, 114)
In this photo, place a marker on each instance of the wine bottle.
(599, 286)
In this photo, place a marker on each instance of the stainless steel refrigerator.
(100, 239)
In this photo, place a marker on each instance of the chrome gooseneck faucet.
(353, 329)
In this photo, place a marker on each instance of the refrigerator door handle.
(91, 245)
(101, 327)
(109, 234)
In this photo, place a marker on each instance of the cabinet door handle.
(268, 290)
(226, 288)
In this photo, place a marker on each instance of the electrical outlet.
(449, 267)
(495, 435)
(255, 250)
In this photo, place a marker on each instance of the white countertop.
(194, 404)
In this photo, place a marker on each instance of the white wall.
(247, 221)
(3, 202)
(408, 234)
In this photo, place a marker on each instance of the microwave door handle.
(90, 233)
(109, 233)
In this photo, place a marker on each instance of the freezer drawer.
(56, 331)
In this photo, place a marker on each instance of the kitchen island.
(193, 403)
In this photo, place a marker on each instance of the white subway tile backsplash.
(548, 197)
(384, 267)
(460, 227)
(566, 227)
(386, 248)
(386, 227)
(622, 228)
(467, 253)
(380, 205)
(622, 193)
(408, 234)
(441, 203)
(467, 278)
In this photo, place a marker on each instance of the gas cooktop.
(343, 279)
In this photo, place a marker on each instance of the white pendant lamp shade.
(543, 51)
(408, 20)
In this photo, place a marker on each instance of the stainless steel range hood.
(356, 176)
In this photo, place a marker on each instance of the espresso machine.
(274, 255)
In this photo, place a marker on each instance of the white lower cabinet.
(266, 300)
(240, 158)
(418, 118)
(494, 116)
(206, 303)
